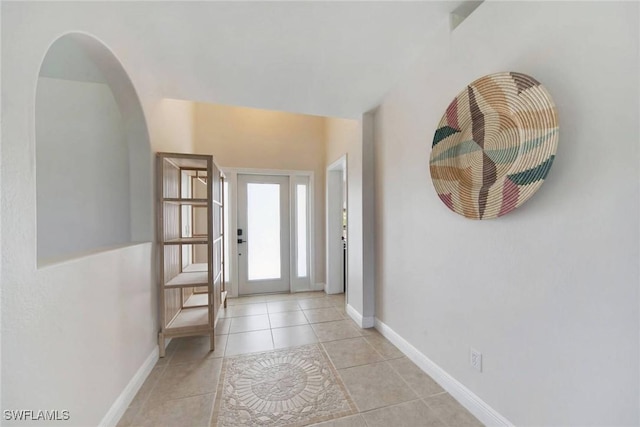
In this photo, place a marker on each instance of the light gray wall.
(344, 136)
(74, 333)
(82, 169)
(548, 293)
(1, 249)
(355, 139)
(67, 60)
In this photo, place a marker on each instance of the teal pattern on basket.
(443, 133)
(459, 150)
(532, 175)
(494, 145)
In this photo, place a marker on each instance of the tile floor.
(387, 388)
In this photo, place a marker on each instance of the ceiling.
(323, 58)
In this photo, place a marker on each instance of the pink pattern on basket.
(452, 114)
(447, 200)
(510, 193)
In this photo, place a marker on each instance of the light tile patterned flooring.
(387, 388)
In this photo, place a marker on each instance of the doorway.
(263, 234)
(337, 220)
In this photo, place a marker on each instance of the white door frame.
(232, 179)
(336, 194)
(282, 282)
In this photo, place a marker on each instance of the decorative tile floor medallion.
(290, 387)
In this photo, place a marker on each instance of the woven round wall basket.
(494, 145)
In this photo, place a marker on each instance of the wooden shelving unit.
(190, 227)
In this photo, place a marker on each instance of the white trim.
(283, 282)
(122, 402)
(327, 290)
(363, 322)
(232, 280)
(251, 171)
(353, 313)
(339, 164)
(298, 283)
(479, 408)
(311, 288)
(331, 224)
(311, 213)
(232, 179)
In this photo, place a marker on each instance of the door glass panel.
(301, 229)
(263, 234)
(227, 260)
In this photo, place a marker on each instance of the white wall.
(74, 333)
(240, 137)
(353, 138)
(368, 219)
(548, 293)
(171, 125)
(1, 137)
(82, 169)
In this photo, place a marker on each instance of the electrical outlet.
(476, 360)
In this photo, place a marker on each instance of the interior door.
(263, 234)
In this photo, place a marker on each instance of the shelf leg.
(161, 344)
(212, 340)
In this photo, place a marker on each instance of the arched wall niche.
(93, 157)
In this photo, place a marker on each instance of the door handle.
(242, 241)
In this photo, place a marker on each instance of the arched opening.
(93, 159)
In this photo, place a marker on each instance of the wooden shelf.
(189, 280)
(200, 240)
(192, 202)
(197, 267)
(224, 297)
(191, 317)
(197, 300)
(190, 300)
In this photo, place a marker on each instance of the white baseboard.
(318, 287)
(485, 413)
(363, 322)
(123, 401)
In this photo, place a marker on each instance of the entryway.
(270, 237)
(263, 234)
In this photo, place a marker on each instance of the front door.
(263, 234)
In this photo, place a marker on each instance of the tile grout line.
(353, 366)
(224, 357)
(421, 398)
(418, 397)
(390, 406)
(163, 369)
(273, 340)
(360, 412)
(337, 371)
(224, 353)
(386, 361)
(380, 353)
(374, 349)
(424, 400)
